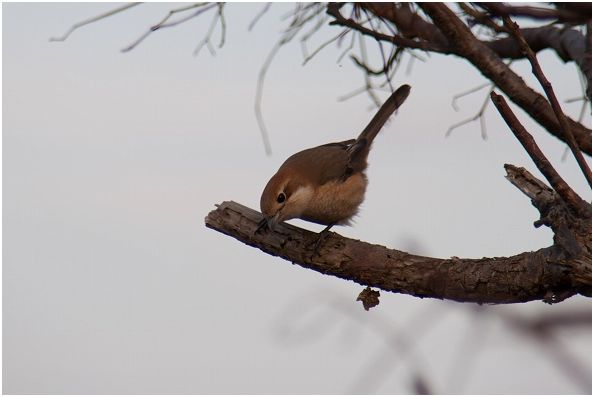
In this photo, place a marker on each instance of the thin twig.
(299, 20)
(410, 63)
(548, 88)
(321, 22)
(259, 90)
(258, 16)
(367, 77)
(349, 47)
(481, 18)
(540, 160)
(223, 25)
(479, 115)
(323, 45)
(163, 24)
(386, 65)
(93, 19)
(206, 40)
(467, 92)
(303, 41)
(333, 9)
(352, 94)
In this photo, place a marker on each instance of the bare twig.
(258, 16)
(93, 19)
(481, 18)
(368, 82)
(317, 26)
(467, 92)
(206, 41)
(541, 162)
(323, 45)
(348, 48)
(463, 43)
(548, 88)
(259, 90)
(223, 25)
(203, 7)
(301, 15)
(479, 115)
(352, 94)
(333, 9)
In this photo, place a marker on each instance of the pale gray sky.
(112, 284)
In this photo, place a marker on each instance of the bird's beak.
(272, 221)
(268, 222)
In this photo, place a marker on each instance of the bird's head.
(285, 197)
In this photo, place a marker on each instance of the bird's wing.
(327, 162)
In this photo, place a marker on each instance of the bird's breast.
(336, 201)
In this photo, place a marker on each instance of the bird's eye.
(281, 198)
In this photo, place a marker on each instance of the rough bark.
(550, 274)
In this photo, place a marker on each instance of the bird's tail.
(359, 150)
(383, 114)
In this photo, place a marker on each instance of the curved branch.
(466, 45)
(541, 275)
(449, 35)
(561, 14)
(202, 7)
(93, 19)
(333, 10)
(568, 44)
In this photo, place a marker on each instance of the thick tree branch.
(572, 231)
(542, 163)
(449, 35)
(408, 22)
(333, 10)
(548, 88)
(568, 44)
(542, 275)
(466, 45)
(560, 14)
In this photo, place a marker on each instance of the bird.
(325, 184)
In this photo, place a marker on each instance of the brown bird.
(325, 184)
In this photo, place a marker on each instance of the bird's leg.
(323, 235)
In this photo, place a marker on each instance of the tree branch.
(462, 42)
(548, 88)
(541, 162)
(202, 7)
(559, 14)
(93, 19)
(333, 10)
(572, 232)
(540, 275)
(568, 44)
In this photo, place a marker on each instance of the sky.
(111, 161)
